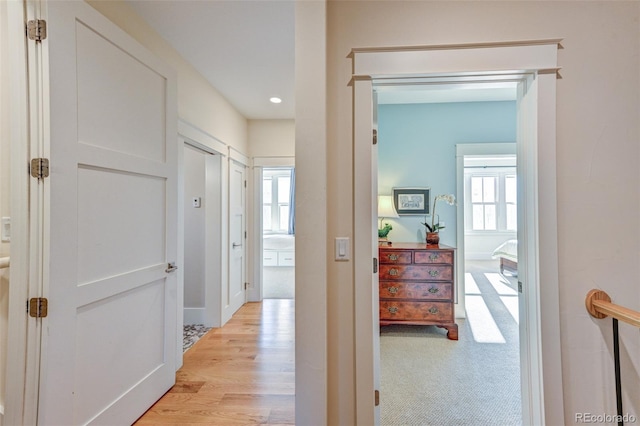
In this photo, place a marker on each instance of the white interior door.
(110, 222)
(236, 294)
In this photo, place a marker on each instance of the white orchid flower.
(449, 199)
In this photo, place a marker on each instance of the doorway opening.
(417, 147)
(278, 234)
(457, 64)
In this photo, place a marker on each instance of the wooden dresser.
(416, 286)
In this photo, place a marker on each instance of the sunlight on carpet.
(483, 326)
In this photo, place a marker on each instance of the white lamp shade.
(385, 206)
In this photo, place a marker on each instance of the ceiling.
(246, 50)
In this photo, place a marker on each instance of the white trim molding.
(238, 157)
(533, 66)
(274, 161)
(201, 139)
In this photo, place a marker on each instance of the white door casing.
(235, 292)
(534, 65)
(255, 266)
(461, 151)
(216, 203)
(110, 225)
(23, 332)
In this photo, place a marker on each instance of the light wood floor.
(242, 373)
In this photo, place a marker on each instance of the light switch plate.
(5, 231)
(343, 249)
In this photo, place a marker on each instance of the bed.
(507, 252)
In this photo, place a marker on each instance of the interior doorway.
(202, 204)
(278, 233)
(425, 127)
(536, 140)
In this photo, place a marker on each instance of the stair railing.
(599, 305)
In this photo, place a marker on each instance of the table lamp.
(385, 209)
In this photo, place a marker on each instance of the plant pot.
(433, 238)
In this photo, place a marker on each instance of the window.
(276, 188)
(490, 199)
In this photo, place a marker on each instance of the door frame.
(238, 158)
(463, 149)
(23, 354)
(215, 240)
(255, 264)
(534, 65)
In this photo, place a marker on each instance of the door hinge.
(245, 235)
(40, 168)
(38, 307)
(375, 137)
(246, 285)
(376, 397)
(519, 286)
(375, 265)
(245, 183)
(37, 29)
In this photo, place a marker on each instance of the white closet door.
(237, 248)
(110, 222)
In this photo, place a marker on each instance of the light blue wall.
(417, 148)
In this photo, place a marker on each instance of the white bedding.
(278, 242)
(508, 250)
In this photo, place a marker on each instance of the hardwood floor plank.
(242, 373)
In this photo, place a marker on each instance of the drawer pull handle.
(393, 290)
(433, 256)
(433, 310)
(393, 257)
(434, 290)
(434, 273)
(393, 272)
(392, 309)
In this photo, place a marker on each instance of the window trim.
(500, 173)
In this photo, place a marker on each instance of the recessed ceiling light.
(275, 100)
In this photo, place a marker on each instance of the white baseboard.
(194, 316)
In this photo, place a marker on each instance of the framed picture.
(412, 200)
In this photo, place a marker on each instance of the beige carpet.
(427, 379)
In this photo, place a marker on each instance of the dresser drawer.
(416, 272)
(433, 256)
(395, 256)
(415, 290)
(416, 311)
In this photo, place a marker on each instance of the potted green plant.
(384, 231)
(434, 228)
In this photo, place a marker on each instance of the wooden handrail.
(599, 305)
(4, 262)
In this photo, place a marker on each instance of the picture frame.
(412, 201)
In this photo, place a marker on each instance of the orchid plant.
(436, 227)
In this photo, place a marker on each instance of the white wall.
(272, 138)
(199, 103)
(312, 220)
(194, 235)
(598, 152)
